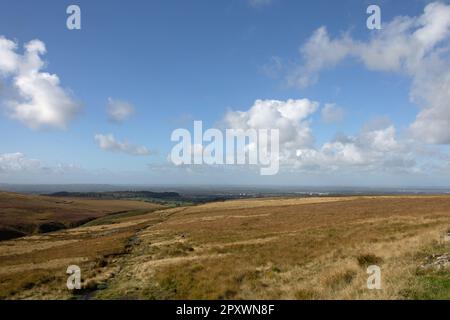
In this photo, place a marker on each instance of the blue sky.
(179, 61)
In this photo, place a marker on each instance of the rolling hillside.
(28, 214)
(291, 248)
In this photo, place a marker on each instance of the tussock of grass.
(341, 280)
(369, 259)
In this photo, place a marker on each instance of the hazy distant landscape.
(225, 190)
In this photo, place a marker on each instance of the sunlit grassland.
(292, 248)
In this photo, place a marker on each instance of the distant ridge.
(109, 195)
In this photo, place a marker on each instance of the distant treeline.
(121, 195)
(165, 197)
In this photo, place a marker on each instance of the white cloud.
(320, 52)
(11, 162)
(376, 148)
(373, 149)
(19, 163)
(291, 117)
(109, 143)
(40, 100)
(119, 111)
(18, 168)
(8, 58)
(332, 113)
(415, 46)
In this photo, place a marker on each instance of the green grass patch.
(433, 286)
(430, 284)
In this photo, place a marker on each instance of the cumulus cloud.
(108, 142)
(332, 113)
(348, 150)
(376, 148)
(119, 111)
(414, 46)
(291, 117)
(40, 101)
(9, 60)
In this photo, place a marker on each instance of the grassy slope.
(250, 249)
(27, 214)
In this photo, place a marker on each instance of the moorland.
(268, 248)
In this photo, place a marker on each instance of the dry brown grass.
(253, 249)
(297, 249)
(27, 214)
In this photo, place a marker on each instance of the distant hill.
(22, 214)
(120, 195)
(166, 197)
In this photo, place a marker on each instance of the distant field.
(28, 214)
(291, 248)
